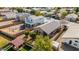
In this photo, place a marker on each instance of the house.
(32, 21)
(9, 15)
(71, 17)
(22, 16)
(49, 28)
(71, 36)
(3, 10)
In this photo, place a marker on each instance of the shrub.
(26, 33)
(64, 13)
(33, 35)
(20, 10)
(76, 9)
(32, 12)
(42, 44)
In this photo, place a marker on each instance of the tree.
(76, 9)
(38, 13)
(64, 13)
(20, 10)
(32, 12)
(42, 44)
(26, 34)
(33, 35)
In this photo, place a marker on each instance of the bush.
(33, 35)
(26, 33)
(32, 12)
(76, 9)
(63, 14)
(20, 10)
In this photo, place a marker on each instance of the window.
(75, 44)
(76, 41)
(70, 42)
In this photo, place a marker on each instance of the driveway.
(69, 48)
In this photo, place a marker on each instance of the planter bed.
(12, 31)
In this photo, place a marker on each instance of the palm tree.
(42, 44)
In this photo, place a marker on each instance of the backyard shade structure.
(18, 41)
(71, 17)
(49, 27)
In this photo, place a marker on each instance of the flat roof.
(72, 32)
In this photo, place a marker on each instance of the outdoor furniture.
(22, 27)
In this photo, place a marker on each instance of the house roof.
(72, 32)
(49, 26)
(18, 41)
(72, 16)
(35, 17)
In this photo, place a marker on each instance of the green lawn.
(1, 18)
(3, 41)
(25, 48)
(22, 49)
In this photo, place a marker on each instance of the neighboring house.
(32, 21)
(27, 10)
(71, 17)
(3, 10)
(71, 36)
(22, 16)
(9, 14)
(49, 28)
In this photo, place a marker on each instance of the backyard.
(12, 31)
(1, 18)
(3, 40)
